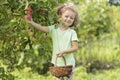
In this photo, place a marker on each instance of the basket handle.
(63, 59)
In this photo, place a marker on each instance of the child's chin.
(66, 24)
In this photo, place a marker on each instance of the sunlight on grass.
(26, 74)
(80, 74)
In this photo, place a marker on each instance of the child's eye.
(71, 17)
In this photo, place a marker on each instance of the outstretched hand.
(30, 21)
(28, 16)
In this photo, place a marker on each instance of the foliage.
(99, 38)
(80, 74)
(99, 55)
(20, 44)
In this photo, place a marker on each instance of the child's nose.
(68, 18)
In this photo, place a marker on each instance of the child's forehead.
(69, 11)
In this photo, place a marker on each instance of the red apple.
(28, 17)
(30, 11)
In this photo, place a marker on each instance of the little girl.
(64, 37)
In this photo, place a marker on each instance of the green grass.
(80, 74)
(98, 75)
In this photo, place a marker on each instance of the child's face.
(68, 17)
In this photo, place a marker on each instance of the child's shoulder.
(72, 30)
(54, 26)
(51, 26)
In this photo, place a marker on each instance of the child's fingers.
(59, 55)
(30, 22)
(31, 19)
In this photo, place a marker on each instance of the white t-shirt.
(62, 41)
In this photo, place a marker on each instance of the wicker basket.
(61, 71)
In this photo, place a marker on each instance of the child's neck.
(63, 27)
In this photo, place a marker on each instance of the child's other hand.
(60, 54)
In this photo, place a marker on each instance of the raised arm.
(38, 26)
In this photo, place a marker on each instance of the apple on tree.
(29, 14)
(29, 10)
(28, 17)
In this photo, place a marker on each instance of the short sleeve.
(74, 36)
(51, 28)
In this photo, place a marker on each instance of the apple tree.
(21, 45)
